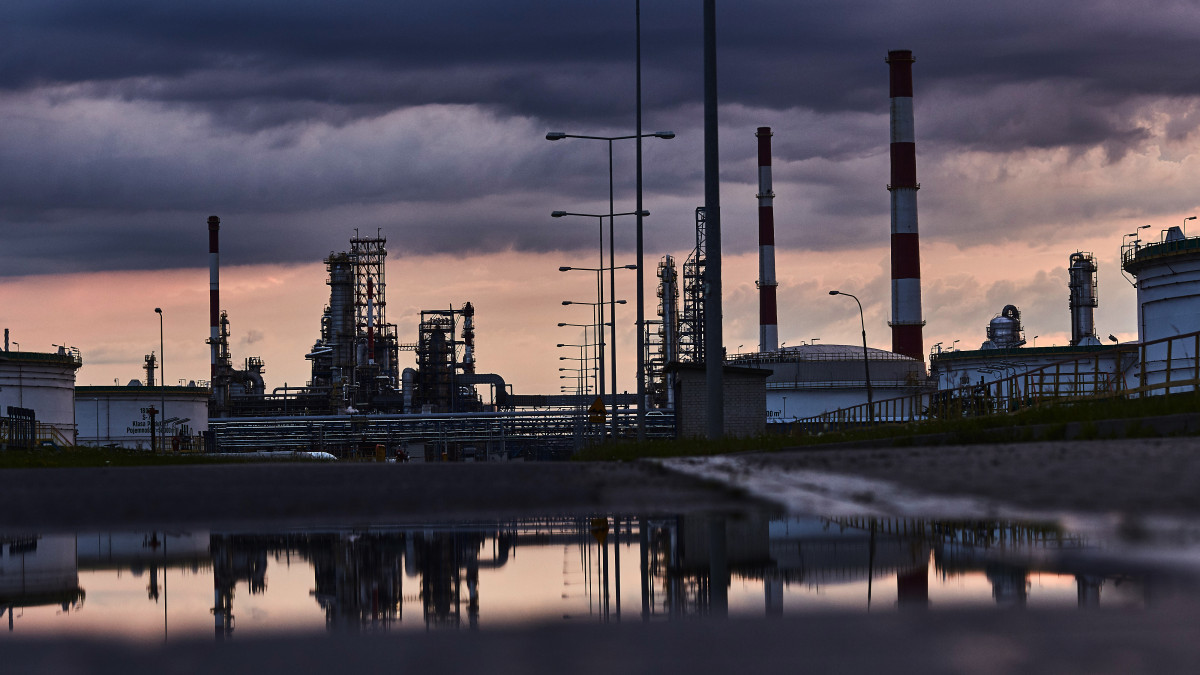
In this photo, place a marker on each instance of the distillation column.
(1082, 282)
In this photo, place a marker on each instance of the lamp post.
(162, 381)
(578, 377)
(612, 332)
(1185, 224)
(866, 359)
(581, 361)
(640, 213)
(584, 357)
(612, 357)
(600, 298)
(597, 344)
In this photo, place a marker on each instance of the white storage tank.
(44, 383)
(808, 380)
(1168, 294)
(120, 416)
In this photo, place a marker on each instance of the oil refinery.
(372, 392)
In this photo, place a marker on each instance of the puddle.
(153, 586)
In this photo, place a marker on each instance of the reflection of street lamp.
(641, 311)
(162, 380)
(866, 360)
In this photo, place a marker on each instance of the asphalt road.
(288, 494)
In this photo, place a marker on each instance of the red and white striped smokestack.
(214, 300)
(768, 313)
(906, 321)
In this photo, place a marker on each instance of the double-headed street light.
(641, 295)
(612, 339)
(866, 360)
(584, 355)
(600, 299)
(612, 285)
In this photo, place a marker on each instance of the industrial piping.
(906, 322)
(768, 313)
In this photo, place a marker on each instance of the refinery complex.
(375, 392)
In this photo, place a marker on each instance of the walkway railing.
(1166, 365)
(502, 432)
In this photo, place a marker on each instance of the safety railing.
(508, 432)
(1166, 365)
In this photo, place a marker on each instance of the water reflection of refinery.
(430, 576)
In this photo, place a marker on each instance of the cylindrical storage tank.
(44, 383)
(120, 416)
(1003, 331)
(1168, 294)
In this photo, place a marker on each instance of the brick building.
(745, 391)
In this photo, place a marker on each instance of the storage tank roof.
(823, 352)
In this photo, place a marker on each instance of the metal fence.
(1167, 365)
(533, 434)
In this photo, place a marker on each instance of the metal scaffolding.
(691, 319)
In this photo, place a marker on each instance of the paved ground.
(288, 494)
(1144, 477)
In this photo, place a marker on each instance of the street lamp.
(612, 339)
(612, 283)
(1185, 224)
(866, 359)
(162, 381)
(641, 294)
(583, 355)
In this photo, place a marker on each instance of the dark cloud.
(127, 122)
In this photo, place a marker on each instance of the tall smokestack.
(906, 253)
(768, 315)
(214, 300)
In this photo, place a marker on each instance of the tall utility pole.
(714, 352)
(641, 292)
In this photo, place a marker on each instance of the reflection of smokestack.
(214, 300)
(906, 253)
(768, 318)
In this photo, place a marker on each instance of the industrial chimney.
(1082, 282)
(214, 299)
(768, 315)
(906, 321)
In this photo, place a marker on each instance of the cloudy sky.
(1042, 129)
